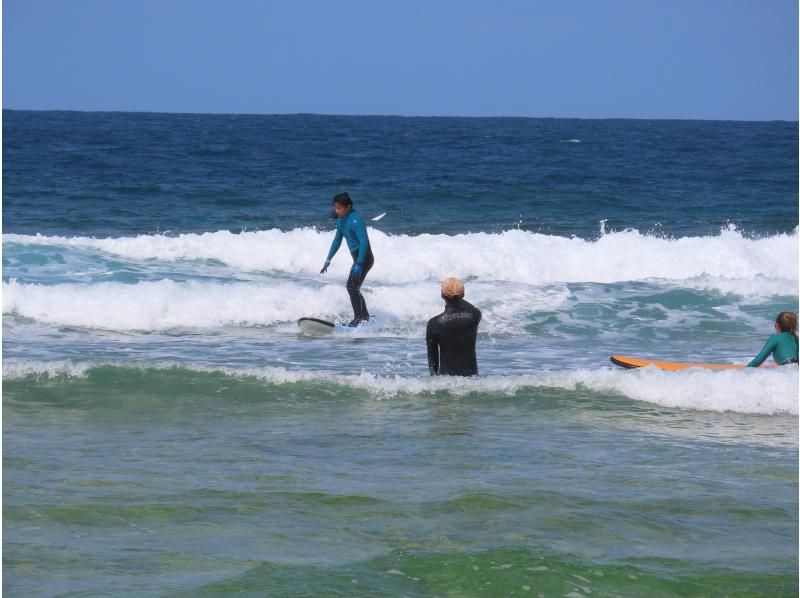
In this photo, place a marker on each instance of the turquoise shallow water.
(143, 482)
(168, 431)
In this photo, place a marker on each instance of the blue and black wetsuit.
(353, 229)
(451, 340)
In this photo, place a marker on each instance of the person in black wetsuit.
(451, 335)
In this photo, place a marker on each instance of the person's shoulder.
(774, 339)
(467, 305)
(435, 319)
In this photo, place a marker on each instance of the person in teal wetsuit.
(783, 344)
(350, 226)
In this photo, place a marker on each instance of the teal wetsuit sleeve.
(337, 242)
(363, 240)
(765, 352)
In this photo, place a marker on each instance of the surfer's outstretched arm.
(337, 242)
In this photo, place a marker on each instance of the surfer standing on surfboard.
(350, 226)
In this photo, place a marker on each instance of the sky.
(687, 59)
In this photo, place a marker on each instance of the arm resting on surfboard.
(765, 352)
(782, 346)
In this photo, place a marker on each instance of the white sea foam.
(729, 261)
(17, 369)
(273, 276)
(167, 304)
(756, 289)
(770, 391)
(762, 391)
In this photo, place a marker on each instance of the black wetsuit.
(451, 340)
(360, 311)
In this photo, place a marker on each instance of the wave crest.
(513, 255)
(771, 391)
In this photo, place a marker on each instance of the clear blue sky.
(699, 59)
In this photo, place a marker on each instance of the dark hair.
(787, 322)
(343, 199)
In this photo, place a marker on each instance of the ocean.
(167, 430)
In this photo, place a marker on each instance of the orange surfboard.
(671, 366)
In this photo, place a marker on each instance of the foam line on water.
(770, 391)
(168, 304)
(513, 255)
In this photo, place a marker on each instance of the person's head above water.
(452, 289)
(786, 322)
(342, 204)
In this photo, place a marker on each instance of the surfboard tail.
(625, 362)
(315, 326)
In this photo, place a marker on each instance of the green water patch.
(477, 502)
(68, 571)
(497, 572)
(119, 387)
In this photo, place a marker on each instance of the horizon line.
(389, 115)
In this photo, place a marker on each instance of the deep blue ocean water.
(168, 431)
(112, 174)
